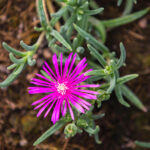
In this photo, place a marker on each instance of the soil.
(19, 126)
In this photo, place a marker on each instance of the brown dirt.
(19, 127)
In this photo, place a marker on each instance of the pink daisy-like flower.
(63, 88)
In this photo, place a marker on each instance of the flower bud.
(82, 123)
(70, 130)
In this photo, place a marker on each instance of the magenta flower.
(62, 88)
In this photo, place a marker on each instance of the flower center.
(61, 88)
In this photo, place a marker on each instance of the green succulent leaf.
(97, 55)
(132, 98)
(11, 66)
(98, 25)
(120, 97)
(126, 78)
(94, 12)
(30, 61)
(143, 144)
(119, 2)
(128, 7)
(19, 69)
(12, 76)
(27, 47)
(91, 40)
(49, 132)
(121, 80)
(112, 23)
(122, 57)
(41, 13)
(61, 49)
(98, 72)
(93, 4)
(60, 38)
(112, 83)
(39, 29)
(58, 15)
(15, 60)
(12, 50)
(92, 131)
(98, 116)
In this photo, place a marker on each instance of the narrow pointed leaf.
(38, 29)
(58, 15)
(99, 72)
(30, 61)
(122, 57)
(128, 7)
(27, 47)
(19, 69)
(125, 19)
(95, 78)
(9, 79)
(121, 80)
(143, 144)
(15, 60)
(91, 40)
(61, 49)
(94, 12)
(41, 13)
(98, 116)
(49, 132)
(99, 27)
(120, 97)
(126, 78)
(93, 4)
(11, 66)
(91, 130)
(60, 38)
(132, 98)
(12, 50)
(112, 84)
(97, 55)
(119, 2)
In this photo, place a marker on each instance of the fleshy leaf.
(143, 144)
(60, 38)
(49, 132)
(120, 97)
(122, 57)
(91, 40)
(132, 98)
(97, 55)
(112, 23)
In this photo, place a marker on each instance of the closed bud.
(82, 123)
(70, 130)
(67, 118)
(108, 70)
(80, 50)
(103, 95)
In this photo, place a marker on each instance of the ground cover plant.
(82, 72)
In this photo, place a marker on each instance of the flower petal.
(72, 63)
(42, 99)
(61, 63)
(55, 63)
(70, 109)
(49, 68)
(47, 112)
(67, 64)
